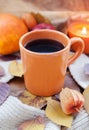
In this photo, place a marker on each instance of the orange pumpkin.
(11, 29)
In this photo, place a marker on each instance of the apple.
(43, 26)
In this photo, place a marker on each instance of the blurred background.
(73, 5)
(48, 5)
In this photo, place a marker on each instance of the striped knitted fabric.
(81, 122)
(8, 76)
(13, 112)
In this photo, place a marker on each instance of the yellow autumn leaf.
(15, 68)
(55, 114)
(32, 125)
(28, 94)
(26, 97)
(48, 98)
(30, 99)
(86, 99)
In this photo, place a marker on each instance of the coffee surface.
(44, 46)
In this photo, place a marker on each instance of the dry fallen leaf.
(17, 86)
(39, 102)
(86, 97)
(26, 97)
(70, 83)
(40, 18)
(2, 71)
(36, 124)
(55, 114)
(30, 99)
(15, 68)
(4, 92)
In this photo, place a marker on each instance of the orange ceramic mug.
(44, 73)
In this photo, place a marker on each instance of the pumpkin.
(11, 29)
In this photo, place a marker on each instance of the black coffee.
(44, 46)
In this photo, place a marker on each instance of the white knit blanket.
(13, 112)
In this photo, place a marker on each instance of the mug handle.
(79, 49)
